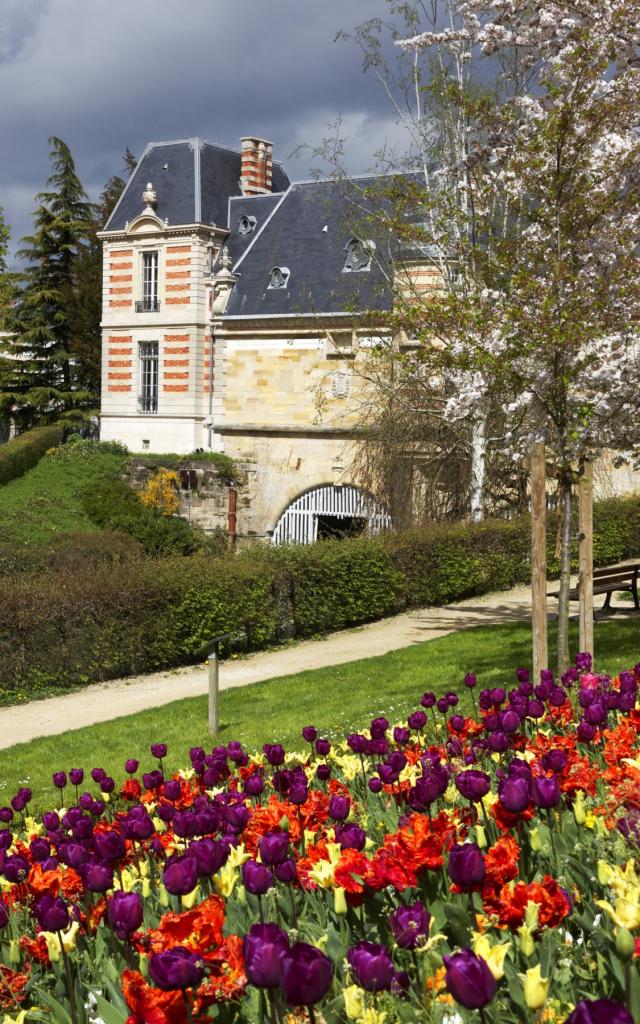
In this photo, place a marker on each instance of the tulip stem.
(312, 1016)
(553, 844)
(69, 980)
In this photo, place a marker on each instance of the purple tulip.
(97, 877)
(470, 680)
(428, 699)
(310, 733)
(108, 785)
(39, 849)
(410, 925)
(417, 720)
(210, 855)
(274, 754)
(555, 760)
(583, 661)
(16, 868)
(52, 913)
(176, 968)
(180, 875)
(171, 789)
(51, 821)
(469, 979)
(372, 965)
(323, 747)
(299, 794)
(274, 847)
(498, 741)
(323, 772)
(59, 779)
(287, 871)
(109, 845)
(357, 743)
(535, 709)
(124, 913)
(306, 975)
(599, 1011)
(351, 837)
(514, 793)
(522, 674)
(18, 803)
(264, 946)
(254, 785)
(6, 815)
(452, 698)
(131, 766)
(473, 784)
(378, 727)
(510, 721)
(237, 816)
(457, 723)
(442, 705)
(159, 750)
(256, 877)
(401, 735)
(76, 776)
(546, 792)
(152, 780)
(375, 784)
(98, 774)
(466, 865)
(585, 731)
(339, 808)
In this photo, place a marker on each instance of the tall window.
(148, 399)
(149, 302)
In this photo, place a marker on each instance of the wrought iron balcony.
(148, 306)
(147, 403)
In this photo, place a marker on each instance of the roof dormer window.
(246, 225)
(359, 253)
(279, 277)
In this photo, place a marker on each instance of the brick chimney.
(257, 158)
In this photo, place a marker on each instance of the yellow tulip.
(579, 810)
(238, 856)
(353, 1002)
(52, 940)
(481, 838)
(526, 941)
(339, 900)
(494, 955)
(625, 914)
(226, 879)
(372, 1016)
(536, 988)
(534, 839)
(189, 901)
(163, 897)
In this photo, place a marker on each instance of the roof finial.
(149, 197)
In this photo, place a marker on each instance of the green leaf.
(109, 1013)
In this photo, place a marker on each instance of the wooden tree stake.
(539, 561)
(585, 577)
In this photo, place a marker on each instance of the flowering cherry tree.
(546, 306)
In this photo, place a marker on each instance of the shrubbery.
(95, 621)
(113, 505)
(23, 452)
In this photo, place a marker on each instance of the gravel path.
(103, 702)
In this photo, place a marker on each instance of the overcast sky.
(105, 74)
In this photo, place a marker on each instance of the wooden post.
(214, 713)
(539, 560)
(585, 576)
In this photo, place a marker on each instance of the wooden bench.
(611, 579)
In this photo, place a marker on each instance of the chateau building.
(232, 320)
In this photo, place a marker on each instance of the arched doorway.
(333, 510)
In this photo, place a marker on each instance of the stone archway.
(336, 510)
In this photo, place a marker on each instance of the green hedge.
(23, 452)
(94, 621)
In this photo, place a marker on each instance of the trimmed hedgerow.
(23, 452)
(94, 620)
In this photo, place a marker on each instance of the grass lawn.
(337, 700)
(47, 499)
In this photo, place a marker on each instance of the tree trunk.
(478, 465)
(564, 486)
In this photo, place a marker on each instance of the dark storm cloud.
(103, 74)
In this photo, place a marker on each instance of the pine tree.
(47, 332)
(88, 307)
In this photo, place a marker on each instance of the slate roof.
(259, 207)
(193, 181)
(306, 232)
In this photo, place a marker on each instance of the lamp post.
(213, 664)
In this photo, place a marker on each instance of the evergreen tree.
(46, 382)
(88, 307)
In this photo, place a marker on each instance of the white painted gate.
(299, 523)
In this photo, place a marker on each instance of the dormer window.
(279, 277)
(246, 225)
(359, 253)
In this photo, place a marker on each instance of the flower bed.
(448, 869)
